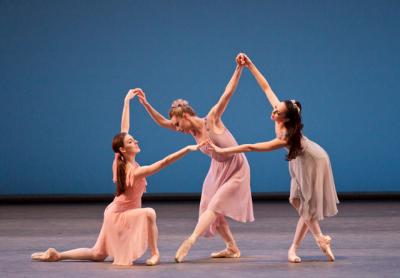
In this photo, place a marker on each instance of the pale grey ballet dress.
(312, 182)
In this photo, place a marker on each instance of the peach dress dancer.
(124, 234)
(226, 188)
(312, 182)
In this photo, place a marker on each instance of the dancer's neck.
(197, 124)
(130, 158)
(280, 125)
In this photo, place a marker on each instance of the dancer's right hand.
(243, 60)
(142, 97)
(193, 148)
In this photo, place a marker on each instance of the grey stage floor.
(366, 242)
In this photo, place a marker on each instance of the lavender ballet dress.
(226, 188)
(312, 182)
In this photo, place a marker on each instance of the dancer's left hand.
(142, 97)
(215, 148)
(131, 94)
(243, 60)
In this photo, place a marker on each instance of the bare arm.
(125, 112)
(273, 99)
(145, 171)
(221, 105)
(257, 147)
(154, 114)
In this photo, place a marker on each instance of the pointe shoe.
(51, 255)
(231, 251)
(183, 250)
(292, 257)
(324, 244)
(154, 260)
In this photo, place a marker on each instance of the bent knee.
(98, 256)
(151, 214)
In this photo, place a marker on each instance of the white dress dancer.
(312, 191)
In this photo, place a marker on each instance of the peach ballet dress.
(312, 182)
(226, 188)
(124, 234)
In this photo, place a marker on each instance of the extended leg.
(52, 255)
(205, 220)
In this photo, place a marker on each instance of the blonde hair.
(180, 106)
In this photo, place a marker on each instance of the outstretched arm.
(145, 171)
(257, 147)
(125, 112)
(221, 105)
(154, 114)
(273, 99)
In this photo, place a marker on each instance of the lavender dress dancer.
(226, 188)
(312, 182)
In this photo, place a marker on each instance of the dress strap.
(206, 126)
(207, 129)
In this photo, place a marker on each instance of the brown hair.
(294, 128)
(117, 143)
(180, 106)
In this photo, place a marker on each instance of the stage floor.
(366, 242)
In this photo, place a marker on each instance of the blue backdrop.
(65, 67)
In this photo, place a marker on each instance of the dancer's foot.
(231, 251)
(153, 260)
(51, 255)
(183, 250)
(324, 243)
(292, 256)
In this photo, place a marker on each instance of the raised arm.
(257, 147)
(219, 108)
(125, 112)
(273, 99)
(145, 171)
(154, 114)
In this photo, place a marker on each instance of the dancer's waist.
(219, 158)
(123, 205)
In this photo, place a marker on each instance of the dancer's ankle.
(318, 237)
(294, 246)
(292, 256)
(231, 245)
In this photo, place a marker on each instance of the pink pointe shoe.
(51, 255)
(154, 260)
(231, 251)
(324, 244)
(183, 250)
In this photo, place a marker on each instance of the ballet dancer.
(128, 229)
(226, 189)
(312, 190)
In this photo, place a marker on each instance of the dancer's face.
(279, 112)
(131, 146)
(182, 124)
